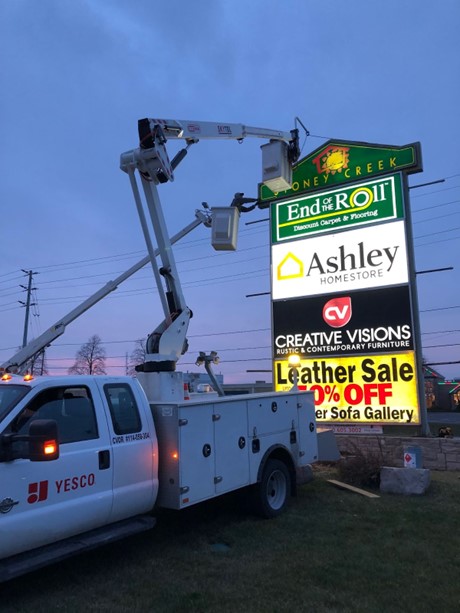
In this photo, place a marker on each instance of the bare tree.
(38, 365)
(90, 358)
(137, 356)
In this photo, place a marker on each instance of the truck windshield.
(10, 395)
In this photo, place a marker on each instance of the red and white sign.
(337, 311)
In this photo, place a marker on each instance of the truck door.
(232, 445)
(134, 450)
(43, 502)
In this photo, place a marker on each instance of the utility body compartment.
(210, 447)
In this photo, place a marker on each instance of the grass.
(331, 551)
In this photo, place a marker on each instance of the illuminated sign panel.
(364, 322)
(340, 208)
(368, 257)
(379, 389)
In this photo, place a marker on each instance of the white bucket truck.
(85, 460)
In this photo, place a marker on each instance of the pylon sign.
(343, 289)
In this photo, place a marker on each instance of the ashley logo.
(337, 312)
(362, 257)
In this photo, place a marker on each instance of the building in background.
(440, 393)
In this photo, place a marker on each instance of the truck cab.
(106, 468)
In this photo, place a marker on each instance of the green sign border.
(393, 209)
(357, 161)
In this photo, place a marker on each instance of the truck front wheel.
(272, 493)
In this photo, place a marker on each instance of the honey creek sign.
(376, 200)
(379, 389)
(339, 162)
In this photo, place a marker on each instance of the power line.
(440, 232)
(131, 254)
(114, 357)
(148, 290)
(139, 278)
(205, 334)
(441, 332)
(219, 350)
(259, 359)
(440, 309)
(444, 189)
(435, 218)
(446, 345)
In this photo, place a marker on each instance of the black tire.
(273, 490)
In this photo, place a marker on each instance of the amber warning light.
(49, 447)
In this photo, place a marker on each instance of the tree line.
(91, 358)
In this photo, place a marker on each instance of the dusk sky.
(75, 78)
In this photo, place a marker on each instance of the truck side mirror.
(43, 440)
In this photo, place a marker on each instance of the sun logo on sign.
(332, 159)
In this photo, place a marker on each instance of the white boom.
(168, 341)
(20, 359)
(189, 129)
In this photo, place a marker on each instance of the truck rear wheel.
(272, 493)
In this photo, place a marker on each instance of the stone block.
(405, 481)
(449, 446)
(328, 450)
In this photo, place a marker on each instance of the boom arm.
(153, 134)
(187, 129)
(20, 359)
(152, 162)
(168, 341)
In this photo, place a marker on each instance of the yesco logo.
(37, 492)
(337, 312)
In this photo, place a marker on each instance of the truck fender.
(279, 452)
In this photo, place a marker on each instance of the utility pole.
(27, 304)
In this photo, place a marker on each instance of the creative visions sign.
(363, 322)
